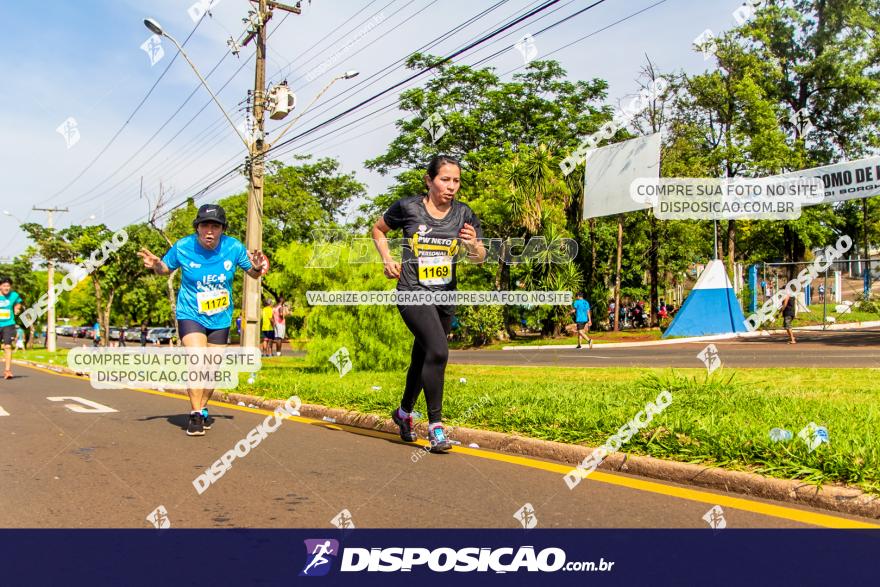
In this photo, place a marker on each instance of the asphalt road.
(63, 468)
(855, 348)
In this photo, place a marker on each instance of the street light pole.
(257, 148)
(50, 270)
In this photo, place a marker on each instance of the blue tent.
(710, 308)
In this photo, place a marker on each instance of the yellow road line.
(744, 504)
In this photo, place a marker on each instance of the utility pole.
(50, 325)
(250, 323)
(257, 147)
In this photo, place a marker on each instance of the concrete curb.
(834, 498)
(695, 339)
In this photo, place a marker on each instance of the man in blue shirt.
(10, 306)
(207, 260)
(583, 319)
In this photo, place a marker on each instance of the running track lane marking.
(766, 509)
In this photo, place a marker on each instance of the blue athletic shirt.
(7, 308)
(581, 307)
(205, 294)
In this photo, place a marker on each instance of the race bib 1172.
(212, 302)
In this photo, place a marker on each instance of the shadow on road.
(181, 420)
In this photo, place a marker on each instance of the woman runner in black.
(435, 226)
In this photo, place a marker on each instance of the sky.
(82, 60)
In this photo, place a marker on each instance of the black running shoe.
(439, 442)
(405, 425)
(207, 420)
(196, 425)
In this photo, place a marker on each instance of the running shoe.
(207, 420)
(591, 343)
(439, 442)
(405, 425)
(195, 426)
(7, 375)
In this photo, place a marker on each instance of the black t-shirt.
(431, 247)
(789, 308)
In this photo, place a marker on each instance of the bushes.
(480, 324)
(375, 336)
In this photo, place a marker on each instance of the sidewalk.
(695, 339)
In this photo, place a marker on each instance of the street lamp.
(156, 29)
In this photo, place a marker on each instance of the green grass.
(814, 317)
(723, 420)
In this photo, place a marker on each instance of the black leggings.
(430, 352)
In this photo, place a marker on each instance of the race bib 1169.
(435, 270)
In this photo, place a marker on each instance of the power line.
(226, 176)
(418, 74)
(446, 35)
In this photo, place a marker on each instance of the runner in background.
(10, 306)
(267, 328)
(435, 227)
(279, 312)
(789, 306)
(207, 261)
(583, 319)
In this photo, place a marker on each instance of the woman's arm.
(380, 239)
(476, 250)
(153, 262)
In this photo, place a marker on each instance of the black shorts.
(581, 325)
(7, 334)
(214, 335)
(786, 321)
(268, 335)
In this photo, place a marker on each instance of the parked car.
(160, 335)
(133, 334)
(114, 333)
(81, 331)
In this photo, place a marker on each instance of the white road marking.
(3, 412)
(93, 407)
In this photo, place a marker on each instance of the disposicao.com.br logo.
(320, 554)
(441, 560)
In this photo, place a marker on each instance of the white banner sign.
(845, 181)
(611, 170)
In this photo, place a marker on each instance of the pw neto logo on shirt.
(435, 257)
